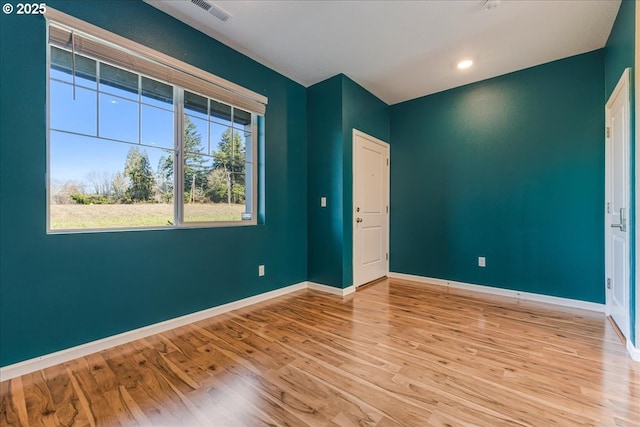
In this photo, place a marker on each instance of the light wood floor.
(393, 354)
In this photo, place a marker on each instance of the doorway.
(370, 208)
(617, 196)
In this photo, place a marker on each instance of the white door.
(617, 204)
(370, 208)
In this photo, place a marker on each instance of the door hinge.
(608, 207)
(608, 132)
(608, 283)
(387, 256)
(387, 208)
(387, 161)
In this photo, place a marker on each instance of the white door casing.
(617, 182)
(635, 350)
(370, 208)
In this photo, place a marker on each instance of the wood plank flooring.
(394, 353)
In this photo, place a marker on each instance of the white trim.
(526, 296)
(634, 352)
(354, 242)
(70, 21)
(622, 88)
(331, 289)
(47, 360)
(635, 323)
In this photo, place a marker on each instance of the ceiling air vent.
(486, 4)
(216, 11)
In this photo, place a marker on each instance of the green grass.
(69, 217)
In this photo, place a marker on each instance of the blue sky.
(82, 143)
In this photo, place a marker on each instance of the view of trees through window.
(113, 148)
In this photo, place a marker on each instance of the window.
(136, 141)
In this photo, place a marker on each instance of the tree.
(102, 183)
(138, 170)
(62, 192)
(217, 185)
(119, 186)
(195, 168)
(230, 158)
(165, 178)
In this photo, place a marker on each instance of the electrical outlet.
(482, 262)
(261, 270)
(323, 202)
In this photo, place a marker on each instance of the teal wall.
(363, 111)
(326, 176)
(620, 47)
(59, 291)
(335, 107)
(510, 168)
(620, 54)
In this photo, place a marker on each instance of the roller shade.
(116, 50)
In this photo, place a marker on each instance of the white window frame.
(193, 80)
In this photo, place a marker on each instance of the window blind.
(75, 35)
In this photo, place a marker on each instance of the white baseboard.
(634, 352)
(331, 289)
(47, 360)
(37, 363)
(527, 296)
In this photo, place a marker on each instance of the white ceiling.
(401, 50)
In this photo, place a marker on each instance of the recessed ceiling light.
(465, 64)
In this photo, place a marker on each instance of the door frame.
(634, 350)
(361, 134)
(622, 87)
